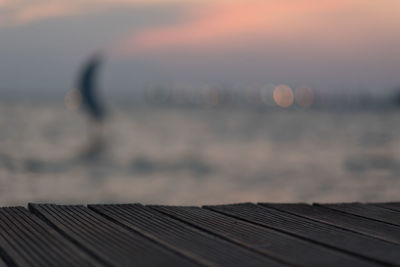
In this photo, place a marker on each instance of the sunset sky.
(328, 45)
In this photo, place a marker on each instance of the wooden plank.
(368, 211)
(25, 240)
(2, 261)
(270, 242)
(389, 205)
(108, 242)
(181, 237)
(339, 219)
(323, 234)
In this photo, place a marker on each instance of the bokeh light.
(304, 96)
(283, 96)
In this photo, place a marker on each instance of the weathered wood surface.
(267, 241)
(181, 237)
(391, 206)
(104, 240)
(348, 234)
(368, 211)
(324, 234)
(365, 226)
(25, 240)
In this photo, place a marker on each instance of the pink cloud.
(214, 22)
(225, 24)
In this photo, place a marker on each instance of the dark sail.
(88, 88)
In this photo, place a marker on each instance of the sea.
(179, 155)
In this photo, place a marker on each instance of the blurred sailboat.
(88, 90)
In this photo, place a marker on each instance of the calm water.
(200, 156)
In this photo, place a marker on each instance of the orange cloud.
(216, 21)
(222, 22)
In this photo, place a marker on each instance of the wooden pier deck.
(350, 234)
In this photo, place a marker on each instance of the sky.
(327, 45)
